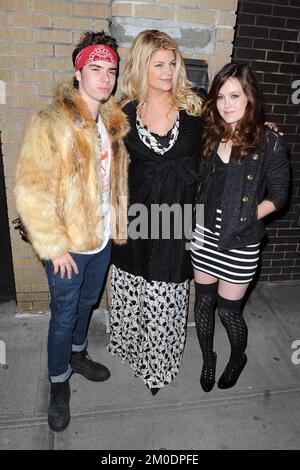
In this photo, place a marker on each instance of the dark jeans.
(71, 305)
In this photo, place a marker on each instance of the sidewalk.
(261, 412)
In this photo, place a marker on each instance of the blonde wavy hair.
(134, 82)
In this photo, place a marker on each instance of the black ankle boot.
(59, 407)
(207, 379)
(231, 374)
(153, 390)
(82, 364)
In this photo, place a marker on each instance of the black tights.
(230, 313)
(205, 301)
(231, 317)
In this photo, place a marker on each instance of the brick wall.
(37, 38)
(202, 28)
(267, 37)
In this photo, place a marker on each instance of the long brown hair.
(246, 134)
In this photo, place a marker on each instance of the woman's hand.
(265, 208)
(273, 126)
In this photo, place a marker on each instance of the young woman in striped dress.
(244, 176)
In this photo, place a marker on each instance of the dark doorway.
(7, 280)
(197, 73)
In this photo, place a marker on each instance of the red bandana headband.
(95, 52)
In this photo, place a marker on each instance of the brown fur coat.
(58, 188)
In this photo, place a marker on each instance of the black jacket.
(263, 175)
(155, 180)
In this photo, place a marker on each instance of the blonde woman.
(150, 281)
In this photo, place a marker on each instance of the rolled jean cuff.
(76, 348)
(61, 378)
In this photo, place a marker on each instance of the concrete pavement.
(261, 412)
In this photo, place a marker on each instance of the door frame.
(7, 278)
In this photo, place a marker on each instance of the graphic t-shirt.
(105, 155)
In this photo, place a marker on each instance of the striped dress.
(236, 265)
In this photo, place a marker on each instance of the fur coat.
(58, 185)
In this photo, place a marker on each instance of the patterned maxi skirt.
(148, 325)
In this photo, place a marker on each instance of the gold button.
(255, 156)
(250, 177)
(245, 199)
(243, 219)
(237, 237)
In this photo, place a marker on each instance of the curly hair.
(134, 80)
(89, 39)
(246, 133)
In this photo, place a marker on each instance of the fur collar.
(69, 100)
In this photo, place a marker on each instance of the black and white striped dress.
(236, 265)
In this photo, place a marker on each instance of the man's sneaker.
(82, 364)
(59, 407)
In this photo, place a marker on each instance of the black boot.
(207, 379)
(231, 374)
(205, 299)
(153, 390)
(230, 312)
(59, 407)
(82, 364)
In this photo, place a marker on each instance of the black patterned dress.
(150, 277)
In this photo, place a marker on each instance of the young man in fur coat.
(71, 193)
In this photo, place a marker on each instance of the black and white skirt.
(148, 325)
(236, 266)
